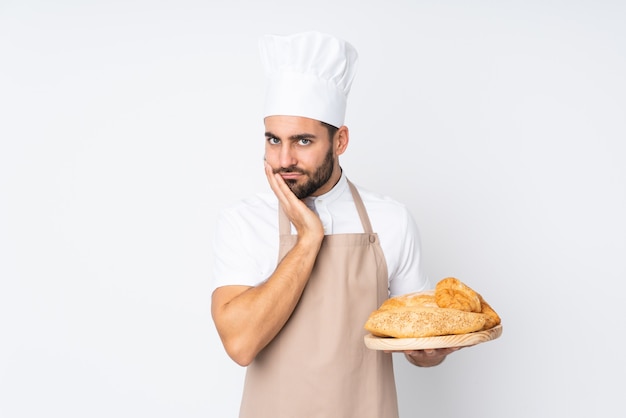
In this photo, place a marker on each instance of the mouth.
(290, 176)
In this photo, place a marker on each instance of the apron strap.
(360, 207)
(284, 225)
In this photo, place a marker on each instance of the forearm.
(248, 321)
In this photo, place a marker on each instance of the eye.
(273, 141)
(304, 141)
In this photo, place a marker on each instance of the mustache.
(289, 170)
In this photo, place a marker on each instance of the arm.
(248, 318)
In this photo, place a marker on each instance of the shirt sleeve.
(232, 263)
(409, 274)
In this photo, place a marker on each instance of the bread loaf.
(418, 322)
(424, 299)
(492, 318)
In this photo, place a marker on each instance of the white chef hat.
(309, 74)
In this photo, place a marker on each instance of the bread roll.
(418, 322)
(452, 293)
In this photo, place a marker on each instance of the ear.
(342, 137)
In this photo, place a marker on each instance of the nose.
(287, 157)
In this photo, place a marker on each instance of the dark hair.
(332, 130)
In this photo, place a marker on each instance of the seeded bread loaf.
(417, 322)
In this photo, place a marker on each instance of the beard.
(315, 179)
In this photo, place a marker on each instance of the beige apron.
(318, 366)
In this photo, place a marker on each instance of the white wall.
(125, 125)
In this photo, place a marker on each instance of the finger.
(275, 183)
(269, 173)
(423, 352)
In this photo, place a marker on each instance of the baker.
(298, 271)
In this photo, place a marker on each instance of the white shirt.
(246, 239)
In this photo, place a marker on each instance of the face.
(302, 152)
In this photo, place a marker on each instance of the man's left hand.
(428, 357)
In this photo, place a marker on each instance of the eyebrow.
(295, 137)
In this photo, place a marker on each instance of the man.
(298, 272)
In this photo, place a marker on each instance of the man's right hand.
(306, 222)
